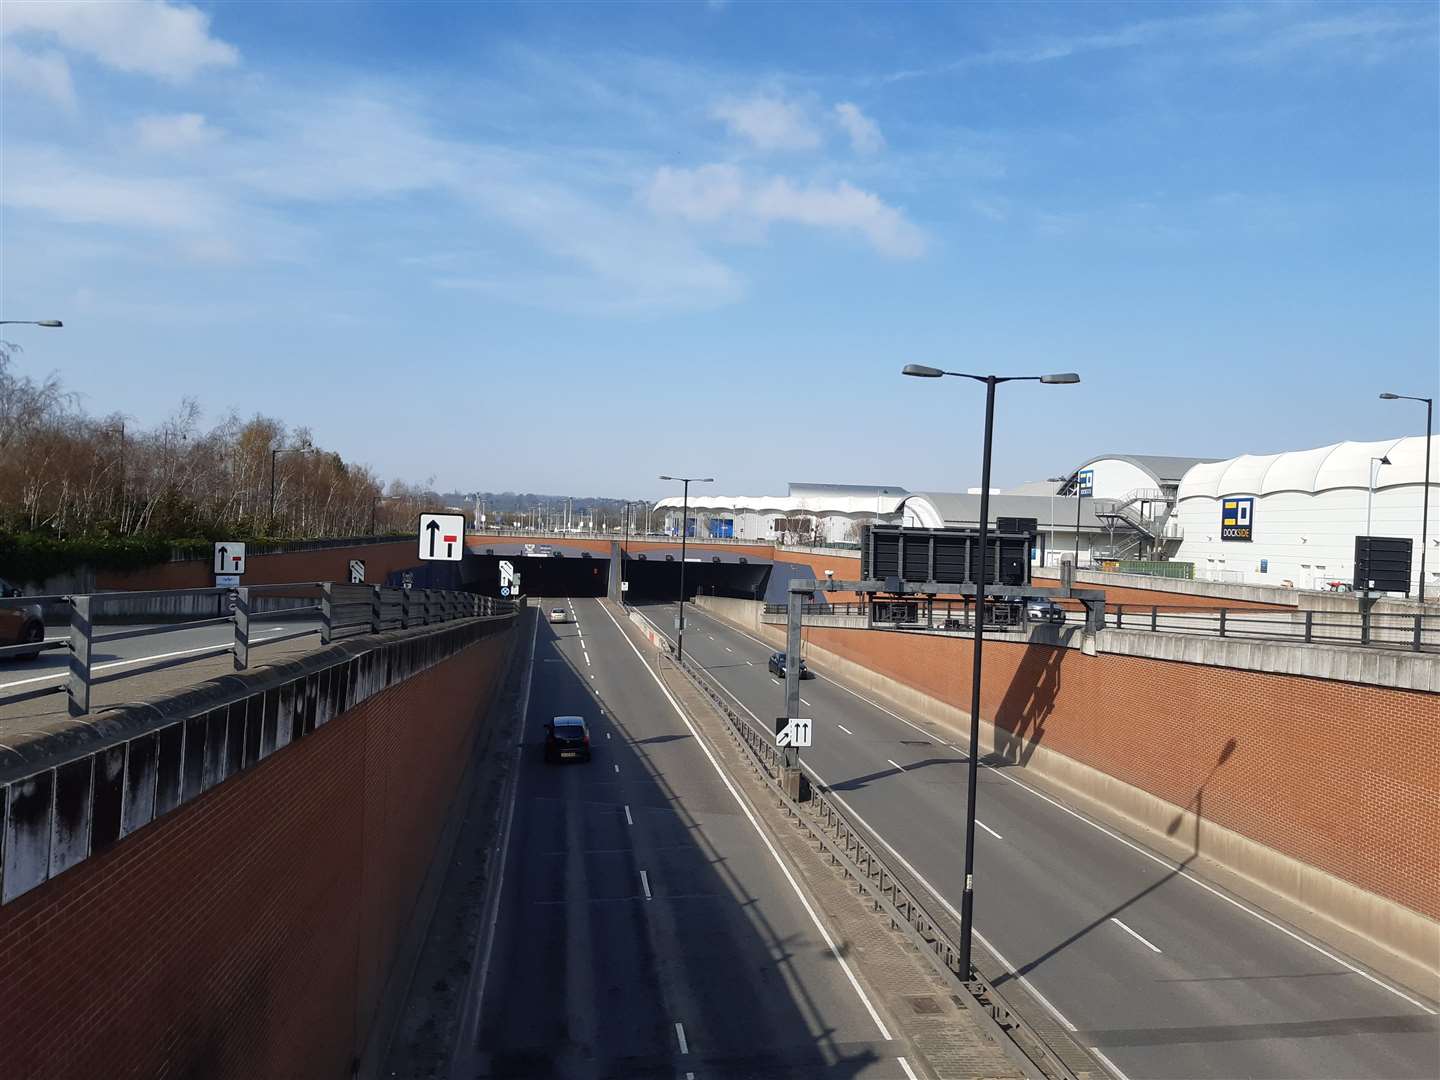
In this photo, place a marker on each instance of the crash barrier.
(343, 610)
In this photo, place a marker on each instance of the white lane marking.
(118, 663)
(473, 1027)
(1114, 836)
(607, 734)
(987, 828)
(909, 1072)
(745, 809)
(587, 657)
(628, 819)
(727, 647)
(1109, 1064)
(749, 663)
(845, 729)
(1009, 967)
(1133, 934)
(645, 883)
(896, 764)
(617, 768)
(680, 1034)
(804, 702)
(710, 636)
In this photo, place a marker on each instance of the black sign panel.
(1382, 564)
(917, 556)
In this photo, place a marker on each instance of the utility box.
(1382, 564)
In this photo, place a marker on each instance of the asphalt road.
(1163, 973)
(645, 929)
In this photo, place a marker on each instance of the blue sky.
(570, 247)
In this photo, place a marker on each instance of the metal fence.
(859, 858)
(340, 611)
(1368, 629)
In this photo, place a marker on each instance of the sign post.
(792, 732)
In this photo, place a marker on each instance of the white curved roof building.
(1293, 517)
(818, 513)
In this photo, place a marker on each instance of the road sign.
(357, 571)
(507, 575)
(624, 586)
(504, 590)
(442, 537)
(226, 581)
(792, 732)
(407, 580)
(229, 557)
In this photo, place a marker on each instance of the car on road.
(776, 664)
(20, 624)
(559, 614)
(567, 738)
(1043, 609)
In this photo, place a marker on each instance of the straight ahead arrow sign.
(433, 528)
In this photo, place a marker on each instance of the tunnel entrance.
(540, 575)
(653, 578)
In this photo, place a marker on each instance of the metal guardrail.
(1366, 629)
(343, 610)
(852, 850)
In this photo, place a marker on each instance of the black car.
(776, 664)
(567, 738)
(1043, 609)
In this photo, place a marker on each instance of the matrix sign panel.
(1085, 481)
(1382, 564)
(1237, 519)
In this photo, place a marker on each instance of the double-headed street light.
(684, 529)
(1425, 497)
(967, 898)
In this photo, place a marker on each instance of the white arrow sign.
(229, 557)
(442, 537)
(793, 732)
(507, 574)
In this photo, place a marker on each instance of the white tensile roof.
(1343, 465)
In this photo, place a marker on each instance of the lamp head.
(921, 371)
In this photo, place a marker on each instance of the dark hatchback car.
(776, 664)
(567, 738)
(20, 624)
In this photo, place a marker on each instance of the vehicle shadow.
(595, 964)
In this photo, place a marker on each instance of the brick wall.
(327, 564)
(1339, 775)
(248, 933)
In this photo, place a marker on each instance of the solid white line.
(628, 819)
(1109, 1064)
(845, 729)
(1135, 847)
(745, 809)
(909, 1072)
(896, 764)
(987, 828)
(1133, 934)
(120, 663)
(680, 1034)
(504, 844)
(645, 883)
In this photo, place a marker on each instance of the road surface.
(1161, 972)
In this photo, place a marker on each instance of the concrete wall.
(215, 884)
(326, 564)
(1302, 801)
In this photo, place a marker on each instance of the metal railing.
(1368, 629)
(861, 860)
(341, 611)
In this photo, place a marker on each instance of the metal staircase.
(1142, 519)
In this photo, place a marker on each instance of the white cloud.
(715, 193)
(151, 37)
(181, 131)
(865, 137)
(769, 123)
(42, 73)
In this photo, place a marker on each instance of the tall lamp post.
(967, 898)
(684, 531)
(273, 455)
(1425, 497)
(52, 324)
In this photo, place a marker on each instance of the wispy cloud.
(44, 73)
(770, 123)
(176, 132)
(865, 137)
(723, 193)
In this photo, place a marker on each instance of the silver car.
(20, 624)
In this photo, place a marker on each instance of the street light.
(1425, 497)
(1375, 463)
(684, 530)
(273, 455)
(53, 324)
(967, 898)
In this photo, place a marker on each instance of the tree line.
(66, 474)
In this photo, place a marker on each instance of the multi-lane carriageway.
(646, 927)
(1165, 974)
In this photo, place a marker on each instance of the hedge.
(35, 557)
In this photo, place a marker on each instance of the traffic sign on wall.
(442, 537)
(229, 557)
(357, 571)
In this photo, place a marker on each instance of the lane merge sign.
(442, 537)
(791, 731)
(357, 571)
(229, 557)
(507, 576)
